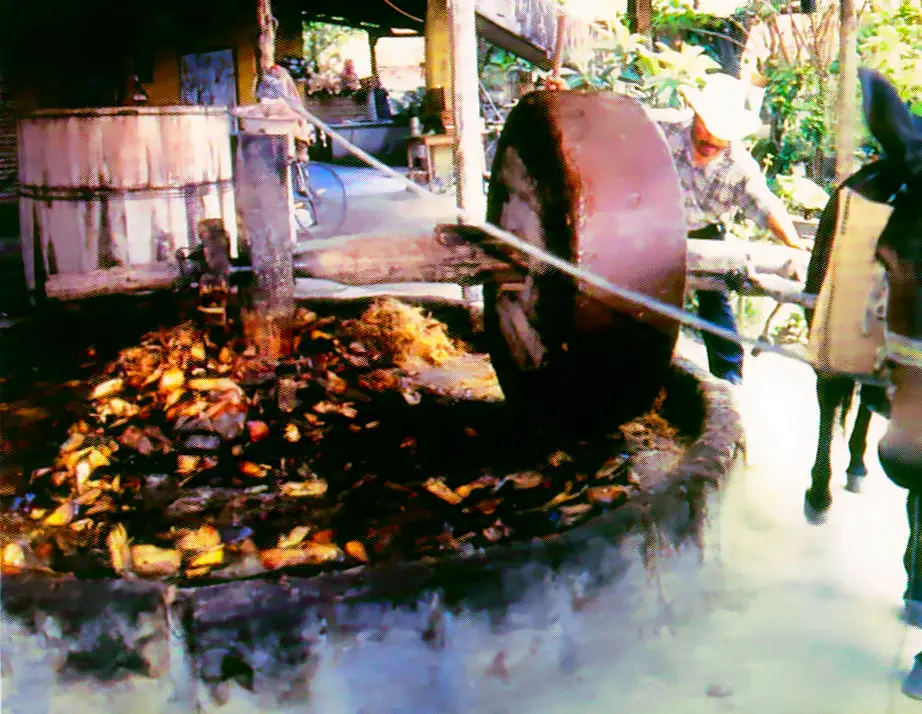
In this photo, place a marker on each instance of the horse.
(889, 180)
(896, 180)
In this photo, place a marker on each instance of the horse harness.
(897, 348)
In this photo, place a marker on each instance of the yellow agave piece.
(318, 553)
(187, 463)
(153, 377)
(208, 559)
(438, 488)
(70, 459)
(119, 408)
(172, 380)
(305, 489)
(213, 384)
(89, 496)
(297, 535)
(151, 561)
(201, 539)
(13, 559)
(62, 515)
(357, 551)
(107, 388)
(119, 552)
(558, 458)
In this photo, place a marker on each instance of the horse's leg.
(817, 499)
(857, 445)
(912, 559)
(912, 598)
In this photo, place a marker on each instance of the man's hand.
(555, 83)
(781, 225)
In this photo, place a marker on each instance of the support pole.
(264, 202)
(848, 88)
(640, 16)
(373, 53)
(469, 158)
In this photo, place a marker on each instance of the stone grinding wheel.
(589, 177)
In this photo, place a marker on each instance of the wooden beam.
(373, 259)
(465, 255)
(112, 281)
(469, 154)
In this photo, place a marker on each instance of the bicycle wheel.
(324, 202)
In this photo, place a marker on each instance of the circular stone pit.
(274, 638)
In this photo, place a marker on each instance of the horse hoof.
(853, 482)
(815, 510)
(760, 345)
(912, 684)
(912, 613)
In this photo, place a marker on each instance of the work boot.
(912, 684)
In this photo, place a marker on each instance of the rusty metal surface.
(598, 188)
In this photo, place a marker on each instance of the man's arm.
(781, 225)
(766, 209)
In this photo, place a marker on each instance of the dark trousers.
(725, 358)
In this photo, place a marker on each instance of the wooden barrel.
(107, 195)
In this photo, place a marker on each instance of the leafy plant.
(626, 63)
(890, 41)
(802, 89)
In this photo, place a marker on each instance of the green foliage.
(323, 43)
(891, 42)
(409, 104)
(802, 107)
(793, 331)
(803, 97)
(626, 62)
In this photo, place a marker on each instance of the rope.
(681, 316)
(402, 12)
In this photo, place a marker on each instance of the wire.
(403, 12)
(681, 316)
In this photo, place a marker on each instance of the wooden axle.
(463, 255)
(466, 255)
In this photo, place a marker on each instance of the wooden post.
(848, 87)
(469, 158)
(265, 205)
(640, 16)
(373, 53)
(438, 61)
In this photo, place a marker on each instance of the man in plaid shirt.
(718, 177)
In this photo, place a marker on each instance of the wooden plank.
(525, 28)
(114, 281)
